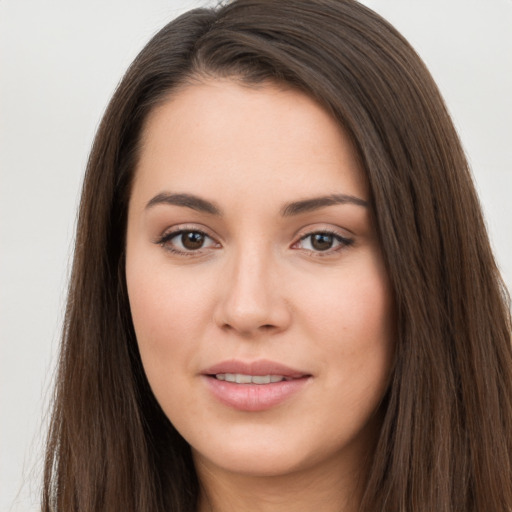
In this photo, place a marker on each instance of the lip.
(259, 367)
(254, 397)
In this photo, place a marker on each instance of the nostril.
(248, 331)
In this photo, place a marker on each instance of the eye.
(186, 241)
(323, 241)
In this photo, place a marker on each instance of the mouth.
(261, 371)
(241, 378)
(255, 386)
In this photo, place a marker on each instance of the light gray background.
(59, 64)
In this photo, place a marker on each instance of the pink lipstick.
(254, 386)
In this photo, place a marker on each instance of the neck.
(325, 488)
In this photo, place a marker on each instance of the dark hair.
(446, 439)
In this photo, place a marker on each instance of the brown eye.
(322, 241)
(188, 242)
(192, 240)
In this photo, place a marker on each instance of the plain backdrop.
(59, 64)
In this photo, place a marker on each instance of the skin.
(258, 288)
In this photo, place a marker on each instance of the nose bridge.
(252, 299)
(252, 267)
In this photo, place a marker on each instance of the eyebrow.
(186, 200)
(289, 209)
(315, 203)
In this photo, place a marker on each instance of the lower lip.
(254, 397)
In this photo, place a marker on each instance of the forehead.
(250, 139)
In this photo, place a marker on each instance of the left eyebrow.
(315, 203)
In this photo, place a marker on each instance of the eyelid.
(311, 229)
(174, 231)
(337, 233)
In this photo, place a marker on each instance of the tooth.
(241, 378)
(261, 379)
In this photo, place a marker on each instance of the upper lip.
(258, 367)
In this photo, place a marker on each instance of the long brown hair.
(446, 438)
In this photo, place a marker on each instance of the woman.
(283, 294)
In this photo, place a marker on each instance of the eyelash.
(343, 242)
(167, 237)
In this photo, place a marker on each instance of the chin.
(252, 463)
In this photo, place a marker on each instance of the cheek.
(163, 300)
(355, 304)
(167, 318)
(352, 324)
(168, 314)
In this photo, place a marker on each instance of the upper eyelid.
(344, 239)
(323, 231)
(179, 228)
(173, 234)
(323, 228)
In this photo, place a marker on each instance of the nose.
(252, 300)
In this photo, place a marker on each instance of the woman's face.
(258, 293)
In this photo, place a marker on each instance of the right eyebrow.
(185, 200)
